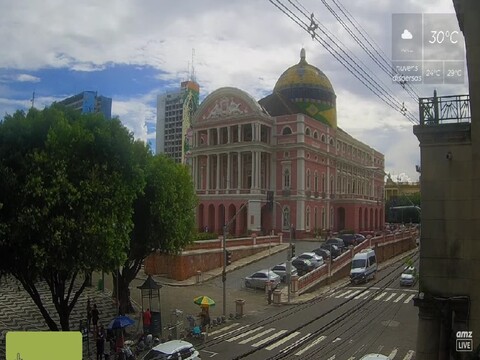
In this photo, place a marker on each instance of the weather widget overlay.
(427, 49)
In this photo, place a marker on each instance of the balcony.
(445, 109)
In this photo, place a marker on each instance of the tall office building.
(174, 113)
(88, 102)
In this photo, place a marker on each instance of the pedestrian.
(89, 314)
(100, 342)
(95, 316)
(147, 321)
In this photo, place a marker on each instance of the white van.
(364, 266)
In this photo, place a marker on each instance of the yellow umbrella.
(204, 301)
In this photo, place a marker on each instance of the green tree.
(67, 185)
(163, 218)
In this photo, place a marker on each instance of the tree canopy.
(67, 187)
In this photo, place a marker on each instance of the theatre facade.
(287, 144)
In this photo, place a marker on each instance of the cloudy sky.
(134, 50)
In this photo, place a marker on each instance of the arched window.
(315, 134)
(315, 184)
(307, 131)
(331, 141)
(307, 219)
(323, 138)
(286, 131)
(308, 179)
(286, 179)
(286, 218)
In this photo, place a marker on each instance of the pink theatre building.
(287, 143)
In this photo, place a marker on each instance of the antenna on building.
(193, 65)
(33, 99)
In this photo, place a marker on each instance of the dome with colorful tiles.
(309, 88)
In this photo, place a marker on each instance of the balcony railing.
(445, 109)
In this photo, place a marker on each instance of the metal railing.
(444, 109)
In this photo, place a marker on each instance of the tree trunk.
(121, 286)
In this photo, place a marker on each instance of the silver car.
(173, 350)
(281, 270)
(315, 259)
(260, 278)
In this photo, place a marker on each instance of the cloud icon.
(407, 35)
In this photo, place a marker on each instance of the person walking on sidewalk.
(100, 343)
(147, 321)
(95, 317)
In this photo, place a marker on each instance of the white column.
(240, 137)
(229, 134)
(253, 170)
(218, 172)
(259, 169)
(239, 171)
(228, 169)
(207, 187)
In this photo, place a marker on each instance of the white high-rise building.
(174, 113)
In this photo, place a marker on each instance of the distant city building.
(174, 113)
(396, 189)
(88, 102)
(286, 145)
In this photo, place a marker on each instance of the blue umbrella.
(120, 322)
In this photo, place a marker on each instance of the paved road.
(346, 323)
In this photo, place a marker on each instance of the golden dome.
(310, 89)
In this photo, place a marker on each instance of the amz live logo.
(464, 341)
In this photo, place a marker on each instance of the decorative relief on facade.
(226, 106)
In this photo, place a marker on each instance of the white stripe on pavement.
(223, 329)
(312, 344)
(343, 294)
(244, 334)
(256, 336)
(409, 355)
(393, 354)
(380, 296)
(409, 298)
(390, 297)
(231, 332)
(352, 294)
(296, 343)
(264, 341)
(399, 298)
(364, 294)
(281, 341)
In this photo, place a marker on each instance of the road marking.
(409, 298)
(331, 357)
(352, 294)
(295, 344)
(337, 339)
(312, 344)
(351, 358)
(223, 329)
(231, 332)
(409, 355)
(212, 354)
(380, 296)
(264, 341)
(364, 294)
(244, 334)
(256, 336)
(390, 297)
(343, 294)
(399, 298)
(380, 349)
(281, 341)
(393, 354)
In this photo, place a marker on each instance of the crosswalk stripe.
(352, 294)
(343, 294)
(390, 297)
(380, 296)
(256, 336)
(393, 354)
(293, 345)
(231, 331)
(364, 294)
(264, 341)
(223, 329)
(312, 344)
(399, 298)
(245, 334)
(409, 298)
(409, 355)
(351, 358)
(281, 341)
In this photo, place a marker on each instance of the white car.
(374, 357)
(173, 350)
(409, 276)
(315, 259)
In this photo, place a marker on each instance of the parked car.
(338, 242)
(303, 266)
(173, 350)
(409, 276)
(316, 260)
(374, 357)
(333, 249)
(260, 278)
(281, 270)
(324, 253)
(360, 238)
(349, 239)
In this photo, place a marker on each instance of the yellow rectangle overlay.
(43, 345)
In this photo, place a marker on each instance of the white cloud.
(27, 78)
